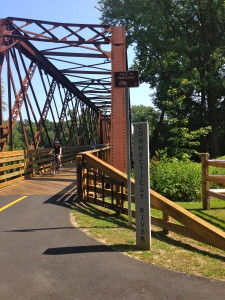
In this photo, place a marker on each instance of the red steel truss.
(62, 72)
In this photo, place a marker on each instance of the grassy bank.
(172, 252)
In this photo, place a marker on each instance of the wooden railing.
(18, 165)
(206, 178)
(98, 185)
(112, 192)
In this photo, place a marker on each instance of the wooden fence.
(206, 178)
(97, 185)
(18, 165)
(98, 182)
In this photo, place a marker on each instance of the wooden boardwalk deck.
(44, 184)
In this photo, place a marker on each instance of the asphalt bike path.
(43, 256)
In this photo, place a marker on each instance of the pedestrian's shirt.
(93, 145)
(57, 149)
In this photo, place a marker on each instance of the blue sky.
(70, 11)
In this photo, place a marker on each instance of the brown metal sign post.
(126, 80)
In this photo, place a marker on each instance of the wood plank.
(216, 163)
(11, 159)
(220, 179)
(38, 151)
(216, 195)
(11, 153)
(196, 224)
(36, 161)
(10, 175)
(10, 167)
(221, 191)
(179, 229)
(10, 182)
(49, 185)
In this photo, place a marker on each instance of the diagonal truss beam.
(74, 31)
(19, 99)
(30, 51)
(73, 37)
(47, 105)
(81, 64)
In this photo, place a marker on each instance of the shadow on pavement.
(77, 249)
(39, 229)
(52, 179)
(65, 197)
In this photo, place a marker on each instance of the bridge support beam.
(118, 115)
(2, 56)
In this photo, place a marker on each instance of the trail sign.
(126, 79)
(142, 185)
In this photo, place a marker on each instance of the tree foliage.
(180, 51)
(175, 138)
(141, 113)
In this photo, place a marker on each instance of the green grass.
(173, 251)
(215, 216)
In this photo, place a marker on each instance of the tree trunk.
(214, 123)
(155, 135)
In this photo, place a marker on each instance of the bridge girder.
(71, 82)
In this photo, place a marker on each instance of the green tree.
(4, 105)
(141, 113)
(179, 47)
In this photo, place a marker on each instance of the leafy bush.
(178, 180)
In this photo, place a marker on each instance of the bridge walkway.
(43, 184)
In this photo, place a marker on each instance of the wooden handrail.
(190, 225)
(206, 178)
(19, 165)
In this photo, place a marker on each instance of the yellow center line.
(12, 203)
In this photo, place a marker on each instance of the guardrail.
(98, 182)
(206, 178)
(19, 165)
(98, 185)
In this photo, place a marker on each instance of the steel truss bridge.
(63, 73)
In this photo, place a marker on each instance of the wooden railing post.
(118, 199)
(79, 177)
(2, 173)
(205, 183)
(108, 155)
(166, 218)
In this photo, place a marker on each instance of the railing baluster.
(87, 185)
(122, 195)
(118, 190)
(95, 186)
(109, 187)
(103, 190)
(112, 194)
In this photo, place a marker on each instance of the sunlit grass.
(173, 252)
